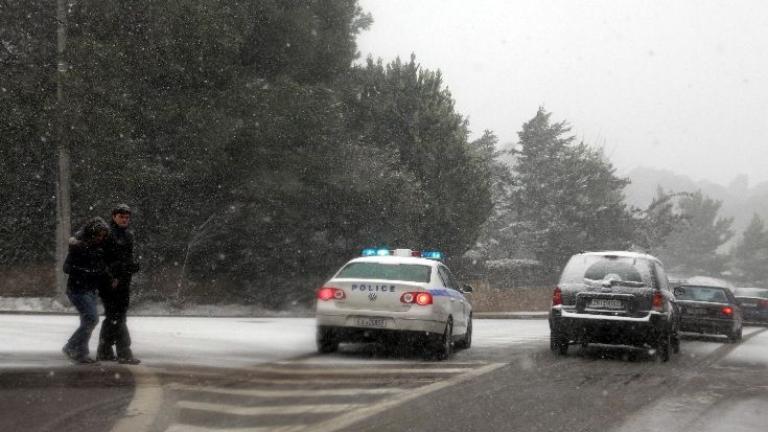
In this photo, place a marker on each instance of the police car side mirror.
(466, 288)
(679, 291)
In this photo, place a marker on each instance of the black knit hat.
(121, 209)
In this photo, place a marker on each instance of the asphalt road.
(494, 386)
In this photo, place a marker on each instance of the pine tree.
(749, 258)
(567, 197)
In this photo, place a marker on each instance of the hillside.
(740, 200)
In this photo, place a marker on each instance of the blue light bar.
(435, 255)
(375, 252)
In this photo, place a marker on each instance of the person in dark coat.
(115, 295)
(87, 272)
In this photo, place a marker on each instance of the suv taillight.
(763, 304)
(658, 301)
(557, 297)
(330, 293)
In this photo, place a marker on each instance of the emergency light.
(435, 255)
(375, 252)
(432, 254)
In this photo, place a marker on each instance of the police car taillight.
(419, 298)
(330, 293)
(727, 310)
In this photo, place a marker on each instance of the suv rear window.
(401, 272)
(705, 294)
(581, 268)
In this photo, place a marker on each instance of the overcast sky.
(679, 85)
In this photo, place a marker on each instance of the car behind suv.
(618, 298)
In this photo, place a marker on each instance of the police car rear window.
(705, 294)
(401, 272)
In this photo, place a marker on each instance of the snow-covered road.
(36, 340)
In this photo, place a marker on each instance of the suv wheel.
(558, 343)
(664, 347)
(735, 336)
(326, 340)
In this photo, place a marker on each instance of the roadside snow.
(36, 340)
(50, 305)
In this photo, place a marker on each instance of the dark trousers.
(114, 330)
(85, 303)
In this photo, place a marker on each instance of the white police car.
(391, 296)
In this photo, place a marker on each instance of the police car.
(391, 296)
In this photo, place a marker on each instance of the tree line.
(259, 156)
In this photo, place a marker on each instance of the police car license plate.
(372, 322)
(611, 304)
(749, 304)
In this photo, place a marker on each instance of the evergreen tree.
(692, 247)
(406, 111)
(567, 197)
(749, 258)
(654, 224)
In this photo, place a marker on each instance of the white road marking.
(267, 410)
(287, 393)
(146, 403)
(360, 371)
(190, 428)
(343, 421)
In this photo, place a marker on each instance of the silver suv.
(617, 298)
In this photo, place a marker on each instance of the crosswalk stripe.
(190, 428)
(267, 410)
(360, 371)
(346, 419)
(349, 380)
(288, 393)
(340, 362)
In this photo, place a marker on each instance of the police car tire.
(466, 341)
(326, 340)
(444, 346)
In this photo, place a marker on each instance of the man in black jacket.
(87, 272)
(118, 254)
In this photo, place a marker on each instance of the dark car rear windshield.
(704, 294)
(586, 268)
(751, 292)
(401, 272)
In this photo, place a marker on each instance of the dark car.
(753, 303)
(708, 306)
(617, 298)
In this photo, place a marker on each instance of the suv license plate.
(696, 311)
(610, 304)
(372, 322)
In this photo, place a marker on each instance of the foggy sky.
(678, 85)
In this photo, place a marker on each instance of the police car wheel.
(444, 346)
(466, 341)
(326, 340)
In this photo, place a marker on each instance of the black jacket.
(118, 253)
(86, 268)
